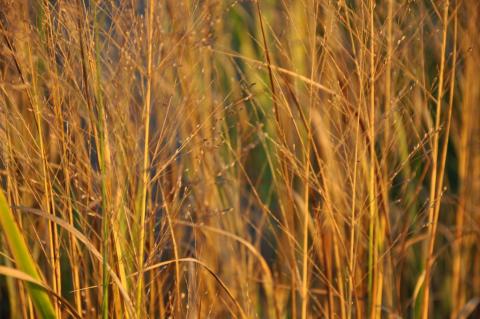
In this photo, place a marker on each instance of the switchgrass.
(243, 159)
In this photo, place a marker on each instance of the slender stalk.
(103, 156)
(146, 162)
(434, 196)
(306, 213)
(386, 144)
(54, 248)
(353, 223)
(64, 139)
(175, 254)
(373, 232)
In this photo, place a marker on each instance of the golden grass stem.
(434, 196)
(146, 162)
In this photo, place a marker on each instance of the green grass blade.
(24, 260)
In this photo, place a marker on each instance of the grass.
(24, 261)
(239, 159)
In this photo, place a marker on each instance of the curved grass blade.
(24, 260)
